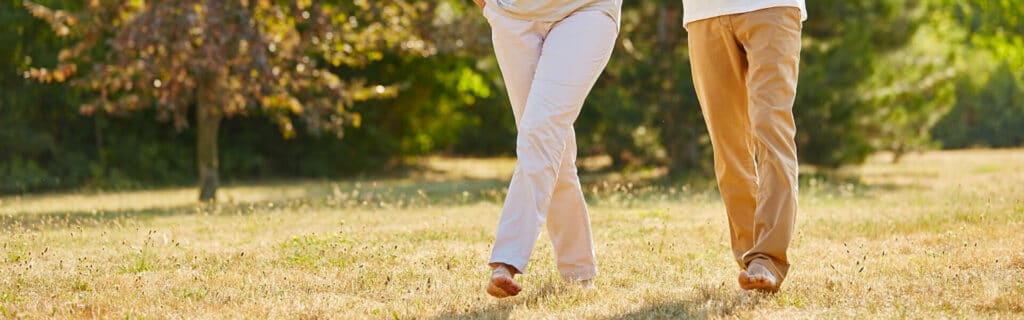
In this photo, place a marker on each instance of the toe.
(501, 287)
(759, 279)
(508, 286)
(496, 292)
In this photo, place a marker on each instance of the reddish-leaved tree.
(228, 58)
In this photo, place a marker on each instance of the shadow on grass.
(676, 310)
(708, 301)
(406, 192)
(64, 219)
(340, 195)
(828, 183)
(502, 309)
(389, 194)
(671, 310)
(616, 189)
(382, 193)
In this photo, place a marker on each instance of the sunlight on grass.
(937, 235)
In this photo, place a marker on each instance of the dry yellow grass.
(939, 235)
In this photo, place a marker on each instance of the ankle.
(585, 284)
(501, 269)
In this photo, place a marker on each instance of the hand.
(480, 3)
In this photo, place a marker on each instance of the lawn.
(937, 235)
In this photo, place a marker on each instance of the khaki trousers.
(549, 68)
(745, 73)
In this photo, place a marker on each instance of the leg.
(772, 40)
(719, 69)
(574, 54)
(569, 223)
(517, 46)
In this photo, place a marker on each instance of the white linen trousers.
(548, 68)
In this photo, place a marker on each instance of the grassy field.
(938, 235)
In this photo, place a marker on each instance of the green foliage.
(989, 109)
(438, 105)
(844, 42)
(40, 132)
(990, 114)
(647, 89)
(644, 110)
(913, 88)
(236, 55)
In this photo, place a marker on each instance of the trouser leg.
(569, 222)
(573, 54)
(771, 38)
(719, 69)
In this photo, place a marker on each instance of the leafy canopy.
(277, 57)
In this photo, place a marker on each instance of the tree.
(644, 110)
(216, 59)
(989, 107)
(27, 150)
(913, 88)
(647, 88)
(845, 43)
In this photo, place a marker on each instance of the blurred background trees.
(216, 59)
(890, 75)
(989, 105)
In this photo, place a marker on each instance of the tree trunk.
(208, 116)
(681, 131)
(898, 152)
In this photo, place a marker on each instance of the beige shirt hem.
(611, 8)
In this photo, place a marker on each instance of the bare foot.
(501, 284)
(759, 278)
